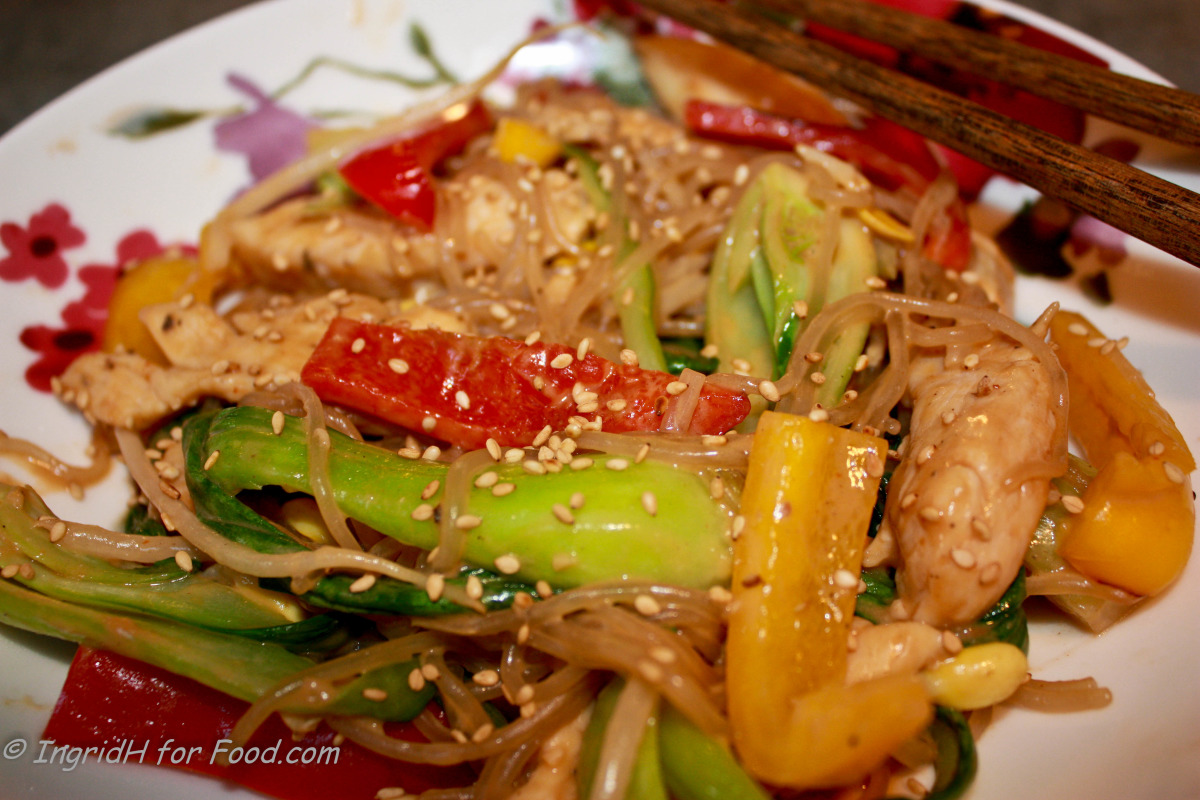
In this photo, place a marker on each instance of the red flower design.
(36, 251)
(84, 318)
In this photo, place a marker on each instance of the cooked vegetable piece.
(520, 141)
(763, 268)
(680, 69)
(698, 767)
(807, 504)
(978, 677)
(467, 389)
(397, 176)
(235, 665)
(162, 590)
(889, 155)
(611, 537)
(1137, 521)
(155, 280)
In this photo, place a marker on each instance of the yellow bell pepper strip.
(1138, 516)
(156, 280)
(807, 504)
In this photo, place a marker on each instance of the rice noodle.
(320, 483)
(455, 491)
(1082, 694)
(99, 542)
(50, 465)
(679, 414)
(623, 735)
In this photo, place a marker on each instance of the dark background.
(49, 46)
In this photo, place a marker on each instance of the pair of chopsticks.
(1151, 209)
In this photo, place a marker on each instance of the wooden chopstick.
(1164, 111)
(1157, 212)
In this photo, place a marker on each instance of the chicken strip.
(966, 498)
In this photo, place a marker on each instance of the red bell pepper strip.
(889, 155)
(158, 718)
(398, 176)
(474, 388)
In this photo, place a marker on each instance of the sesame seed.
(716, 488)
(981, 529)
(663, 654)
(544, 589)
(428, 424)
(533, 338)
(1097, 342)
(646, 605)
(362, 583)
(577, 500)
(524, 695)
(642, 452)
(1072, 504)
(534, 467)
(818, 378)
(1078, 328)
(989, 574)
(617, 464)
(650, 671)
(818, 415)
(1157, 449)
(503, 489)
(435, 585)
(971, 361)
(416, 681)
(741, 174)
(930, 514)
(523, 633)
(1174, 473)
(562, 360)
(845, 579)
(926, 454)
(430, 672)
(949, 417)
(467, 522)
(398, 365)
(543, 436)
(964, 558)
(562, 514)
(768, 390)
(486, 677)
(951, 642)
(474, 587)
(629, 358)
(508, 564)
(184, 560)
(741, 366)
(358, 345)
(739, 525)
(582, 462)
(460, 397)
(431, 453)
(493, 448)
(211, 460)
(487, 480)
(422, 512)
(57, 531)
(374, 693)
(277, 422)
(585, 344)
(875, 282)
(676, 388)
(9, 572)
(650, 503)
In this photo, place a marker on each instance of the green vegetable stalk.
(762, 272)
(237, 665)
(609, 534)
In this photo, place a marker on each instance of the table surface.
(49, 46)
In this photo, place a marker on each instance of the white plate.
(1147, 744)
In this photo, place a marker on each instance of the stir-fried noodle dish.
(608, 451)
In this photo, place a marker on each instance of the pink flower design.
(270, 136)
(84, 319)
(36, 251)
